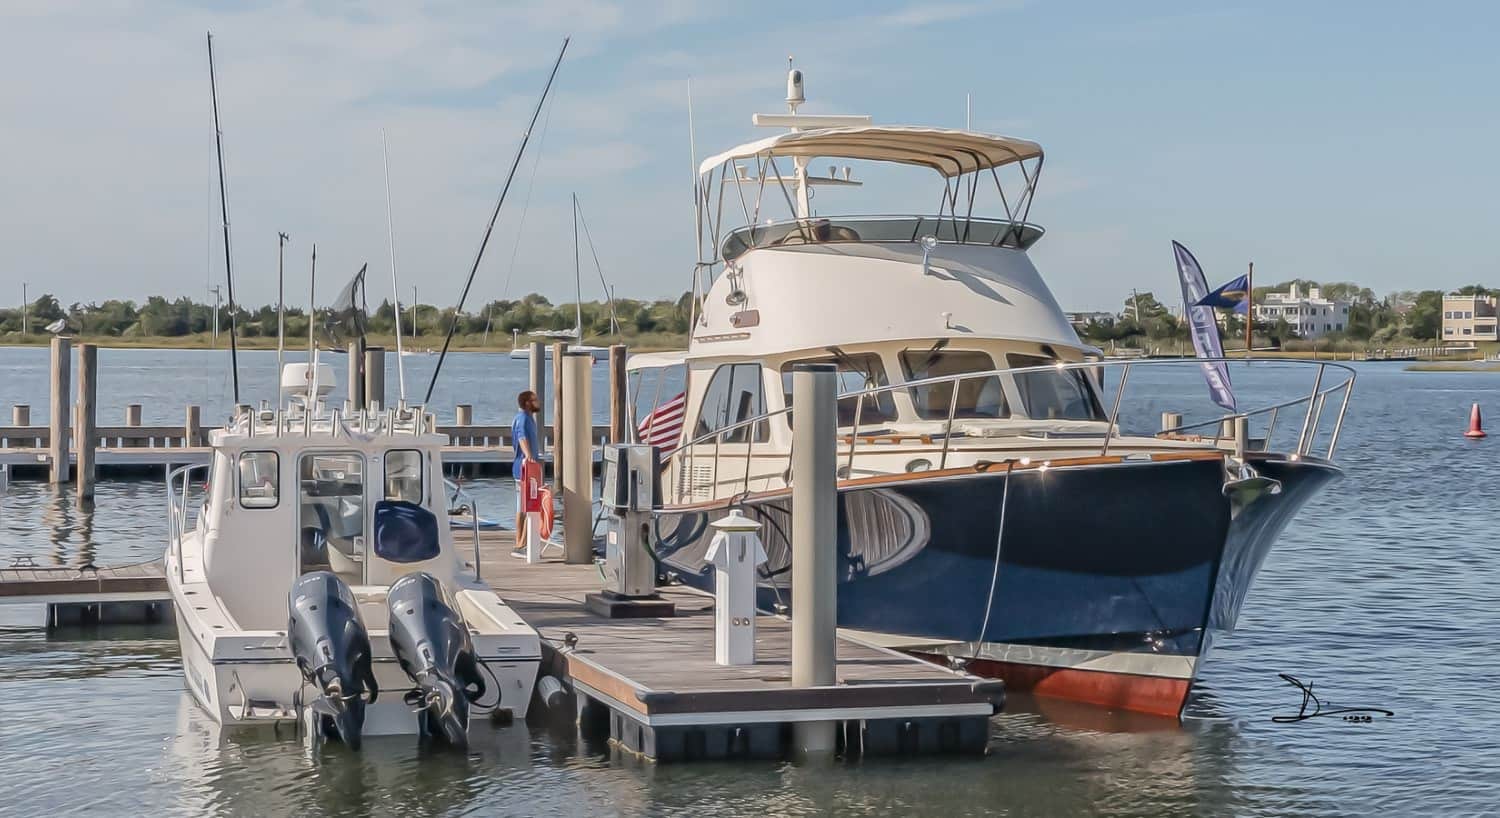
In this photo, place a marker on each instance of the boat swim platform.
(652, 687)
(649, 685)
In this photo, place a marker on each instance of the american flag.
(662, 426)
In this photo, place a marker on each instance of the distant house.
(1309, 313)
(1468, 318)
(1079, 320)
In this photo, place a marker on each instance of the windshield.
(1055, 394)
(977, 397)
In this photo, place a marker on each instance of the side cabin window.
(260, 480)
(857, 372)
(403, 475)
(1055, 394)
(733, 395)
(976, 398)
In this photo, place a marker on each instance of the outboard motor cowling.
(332, 649)
(431, 641)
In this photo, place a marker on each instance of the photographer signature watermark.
(1349, 714)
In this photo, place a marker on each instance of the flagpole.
(1249, 307)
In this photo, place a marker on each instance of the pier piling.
(57, 446)
(618, 390)
(814, 544)
(374, 377)
(558, 350)
(20, 415)
(192, 428)
(536, 366)
(463, 414)
(1171, 421)
(576, 460)
(88, 417)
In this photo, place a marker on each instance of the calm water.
(1384, 591)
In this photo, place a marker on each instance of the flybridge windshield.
(835, 229)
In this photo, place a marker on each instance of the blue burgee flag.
(1234, 294)
(1204, 328)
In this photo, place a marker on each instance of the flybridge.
(760, 193)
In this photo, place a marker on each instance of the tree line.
(1407, 316)
(160, 317)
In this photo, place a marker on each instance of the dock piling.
(536, 365)
(88, 418)
(814, 544)
(1171, 421)
(57, 446)
(558, 350)
(374, 377)
(618, 390)
(192, 429)
(20, 414)
(576, 460)
(357, 374)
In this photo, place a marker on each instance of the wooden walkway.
(666, 698)
(141, 582)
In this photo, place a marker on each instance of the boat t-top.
(320, 580)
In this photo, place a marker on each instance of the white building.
(1310, 314)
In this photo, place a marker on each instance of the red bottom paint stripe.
(1155, 695)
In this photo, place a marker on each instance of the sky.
(1328, 141)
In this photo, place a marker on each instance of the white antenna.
(312, 350)
(390, 232)
(697, 207)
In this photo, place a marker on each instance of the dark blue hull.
(1116, 566)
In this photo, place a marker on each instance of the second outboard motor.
(431, 641)
(333, 652)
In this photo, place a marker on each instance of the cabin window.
(403, 475)
(1055, 394)
(332, 514)
(260, 480)
(857, 373)
(981, 397)
(734, 395)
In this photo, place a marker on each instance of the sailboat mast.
(577, 278)
(213, 90)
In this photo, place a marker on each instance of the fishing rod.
(390, 232)
(516, 163)
(213, 89)
(281, 239)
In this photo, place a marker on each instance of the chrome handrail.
(473, 506)
(1316, 401)
(177, 510)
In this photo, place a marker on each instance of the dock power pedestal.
(630, 491)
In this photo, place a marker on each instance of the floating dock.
(650, 686)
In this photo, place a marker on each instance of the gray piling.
(1171, 421)
(88, 417)
(57, 446)
(814, 543)
(576, 462)
(558, 350)
(357, 374)
(374, 377)
(192, 428)
(618, 390)
(536, 365)
(20, 414)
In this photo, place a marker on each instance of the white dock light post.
(735, 553)
(814, 543)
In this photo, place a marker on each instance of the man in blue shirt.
(526, 445)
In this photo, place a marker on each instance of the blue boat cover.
(405, 532)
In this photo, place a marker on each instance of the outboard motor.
(333, 652)
(431, 641)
